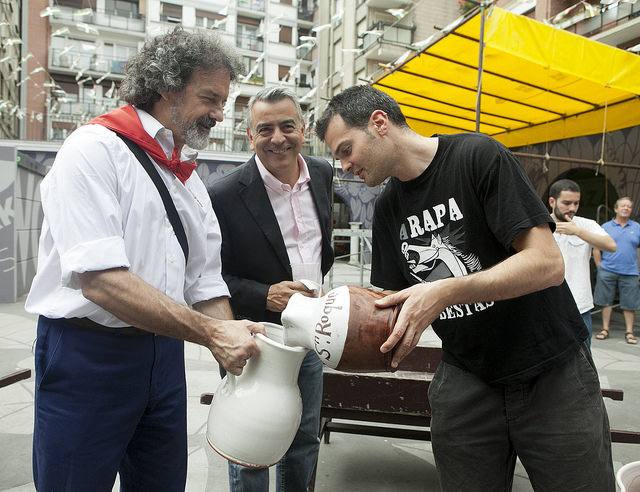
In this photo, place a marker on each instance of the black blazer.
(254, 256)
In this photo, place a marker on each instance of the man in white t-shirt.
(576, 236)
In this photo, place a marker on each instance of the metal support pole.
(354, 244)
(575, 160)
(332, 266)
(480, 63)
(361, 259)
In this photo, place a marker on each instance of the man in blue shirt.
(619, 269)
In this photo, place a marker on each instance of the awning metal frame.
(564, 115)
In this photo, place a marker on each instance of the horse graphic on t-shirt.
(427, 261)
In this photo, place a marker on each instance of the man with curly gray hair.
(129, 267)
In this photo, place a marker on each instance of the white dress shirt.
(576, 254)
(101, 211)
(296, 214)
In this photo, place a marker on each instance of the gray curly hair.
(167, 62)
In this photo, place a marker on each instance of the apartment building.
(268, 36)
(612, 22)
(10, 55)
(88, 42)
(358, 39)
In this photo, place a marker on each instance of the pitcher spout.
(297, 320)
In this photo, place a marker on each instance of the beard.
(559, 215)
(376, 171)
(195, 133)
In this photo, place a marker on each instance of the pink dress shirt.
(296, 214)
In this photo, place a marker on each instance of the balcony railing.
(104, 18)
(226, 139)
(305, 53)
(82, 111)
(395, 34)
(608, 17)
(86, 61)
(253, 80)
(170, 19)
(256, 5)
(222, 139)
(252, 43)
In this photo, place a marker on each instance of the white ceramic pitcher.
(255, 416)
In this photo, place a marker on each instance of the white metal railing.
(100, 17)
(359, 256)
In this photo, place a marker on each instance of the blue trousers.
(555, 423)
(293, 472)
(108, 403)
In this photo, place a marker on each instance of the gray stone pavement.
(347, 463)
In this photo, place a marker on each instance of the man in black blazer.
(275, 211)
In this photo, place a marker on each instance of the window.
(286, 34)
(305, 9)
(76, 4)
(115, 57)
(283, 72)
(69, 85)
(247, 34)
(217, 144)
(122, 8)
(286, 2)
(248, 21)
(304, 80)
(170, 12)
(256, 73)
(208, 19)
(306, 52)
(60, 129)
(240, 114)
(303, 32)
(337, 56)
(240, 143)
(339, 11)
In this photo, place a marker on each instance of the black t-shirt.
(460, 216)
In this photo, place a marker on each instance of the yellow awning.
(539, 83)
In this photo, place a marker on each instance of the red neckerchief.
(125, 121)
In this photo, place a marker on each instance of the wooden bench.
(398, 399)
(14, 377)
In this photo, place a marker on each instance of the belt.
(92, 325)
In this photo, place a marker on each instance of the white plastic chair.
(628, 477)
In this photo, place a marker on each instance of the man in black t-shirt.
(460, 233)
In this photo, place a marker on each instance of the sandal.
(603, 335)
(630, 339)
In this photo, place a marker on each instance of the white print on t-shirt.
(438, 255)
(418, 226)
(423, 259)
(435, 256)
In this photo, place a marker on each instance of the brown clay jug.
(344, 327)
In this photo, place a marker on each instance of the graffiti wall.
(7, 225)
(32, 166)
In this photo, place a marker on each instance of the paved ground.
(348, 463)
